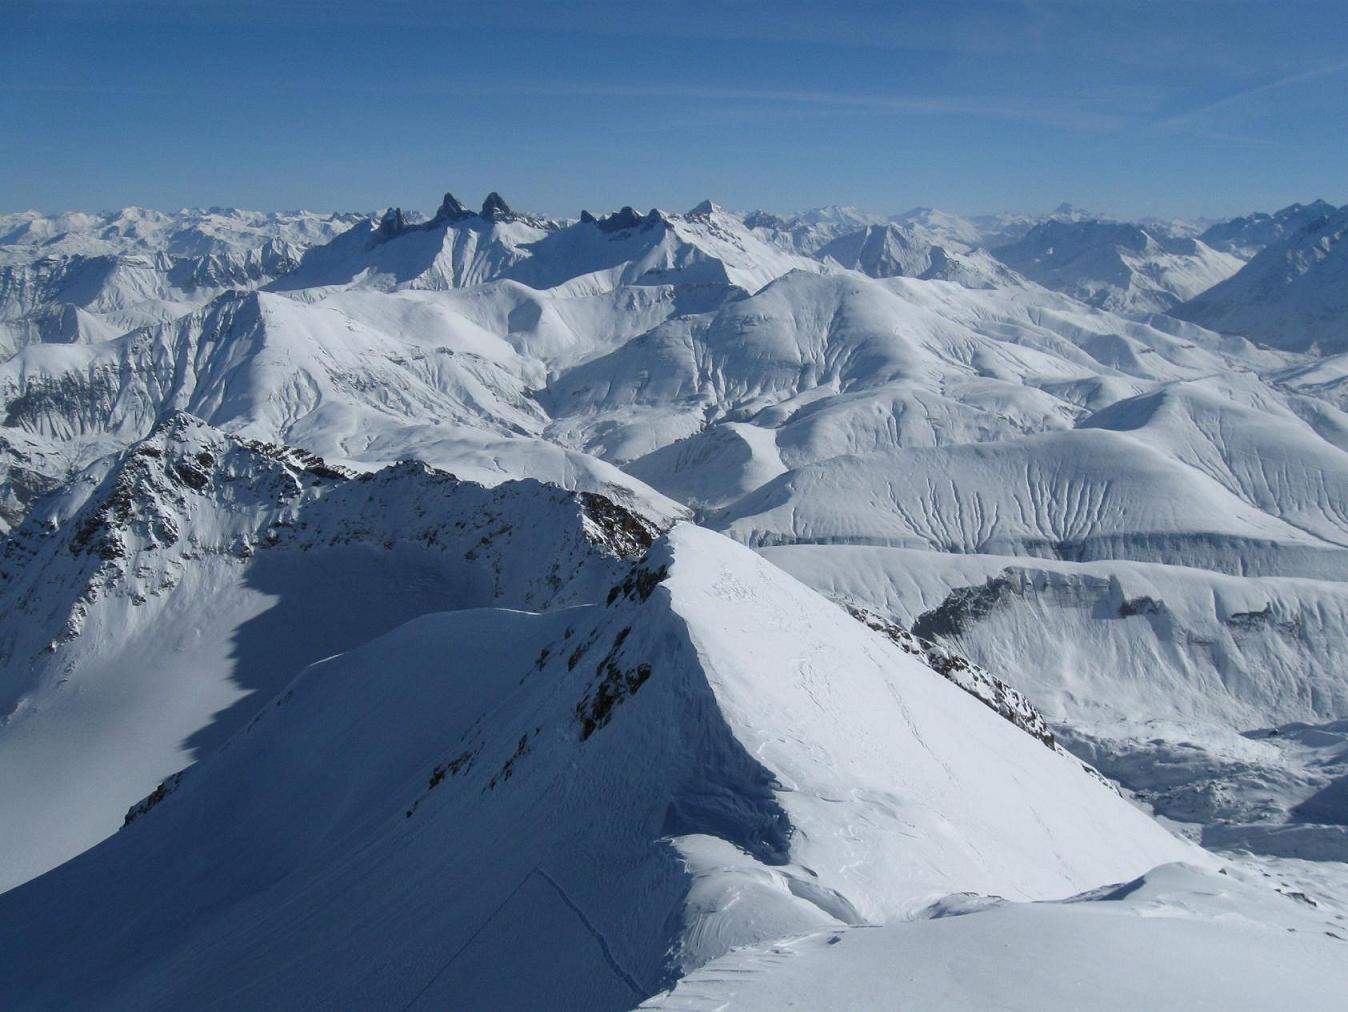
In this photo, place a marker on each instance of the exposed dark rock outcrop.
(989, 690)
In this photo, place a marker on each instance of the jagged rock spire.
(393, 223)
(618, 220)
(494, 208)
(586, 218)
(450, 210)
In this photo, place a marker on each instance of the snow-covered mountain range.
(1293, 293)
(696, 609)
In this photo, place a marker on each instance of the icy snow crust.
(532, 756)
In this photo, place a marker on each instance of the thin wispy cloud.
(1085, 114)
(1241, 98)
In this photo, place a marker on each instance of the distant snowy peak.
(952, 231)
(395, 222)
(892, 251)
(809, 231)
(1117, 266)
(1291, 295)
(881, 251)
(838, 216)
(1248, 235)
(79, 298)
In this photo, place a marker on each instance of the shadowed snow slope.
(157, 606)
(714, 757)
(1293, 294)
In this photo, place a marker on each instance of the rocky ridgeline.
(988, 689)
(189, 492)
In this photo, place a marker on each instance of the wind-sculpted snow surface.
(669, 787)
(1089, 494)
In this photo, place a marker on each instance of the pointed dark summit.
(494, 208)
(450, 210)
(393, 223)
(618, 220)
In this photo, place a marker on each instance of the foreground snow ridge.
(1093, 951)
(709, 757)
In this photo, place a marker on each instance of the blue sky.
(1188, 107)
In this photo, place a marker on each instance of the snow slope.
(671, 788)
(361, 381)
(1217, 699)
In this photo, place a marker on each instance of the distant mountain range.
(671, 609)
